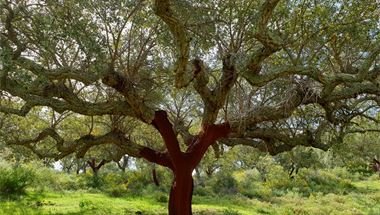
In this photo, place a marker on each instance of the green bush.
(90, 182)
(258, 190)
(248, 182)
(48, 179)
(87, 205)
(137, 182)
(115, 190)
(215, 212)
(207, 212)
(115, 184)
(203, 191)
(14, 181)
(278, 180)
(344, 173)
(224, 184)
(95, 181)
(253, 184)
(323, 181)
(374, 177)
(231, 212)
(162, 197)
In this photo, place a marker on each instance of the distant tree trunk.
(95, 168)
(155, 178)
(199, 177)
(82, 168)
(210, 170)
(47, 162)
(81, 165)
(292, 169)
(68, 168)
(123, 163)
(376, 166)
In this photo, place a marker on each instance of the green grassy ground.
(366, 200)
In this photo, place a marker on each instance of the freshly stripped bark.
(182, 164)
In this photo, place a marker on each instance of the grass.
(365, 200)
(80, 203)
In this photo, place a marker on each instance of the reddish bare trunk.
(181, 193)
(182, 163)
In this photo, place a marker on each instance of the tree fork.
(181, 163)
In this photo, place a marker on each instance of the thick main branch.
(177, 28)
(165, 128)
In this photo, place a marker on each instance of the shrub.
(116, 190)
(225, 184)
(85, 205)
(207, 212)
(52, 180)
(323, 181)
(137, 182)
(374, 177)
(231, 212)
(203, 191)
(248, 182)
(278, 180)
(14, 181)
(95, 181)
(344, 173)
(162, 197)
(89, 181)
(253, 184)
(115, 184)
(258, 190)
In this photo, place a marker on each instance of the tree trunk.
(155, 178)
(181, 193)
(95, 172)
(182, 163)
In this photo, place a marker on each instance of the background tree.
(358, 150)
(269, 74)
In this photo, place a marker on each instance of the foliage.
(14, 181)
(52, 180)
(115, 184)
(94, 181)
(231, 212)
(204, 191)
(337, 189)
(137, 182)
(224, 183)
(319, 181)
(358, 150)
(161, 197)
(363, 200)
